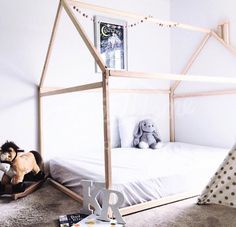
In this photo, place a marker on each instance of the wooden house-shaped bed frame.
(222, 36)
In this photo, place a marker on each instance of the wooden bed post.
(40, 137)
(43, 75)
(172, 117)
(107, 137)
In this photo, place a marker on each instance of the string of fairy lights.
(131, 25)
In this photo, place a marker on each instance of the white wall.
(25, 31)
(204, 120)
(24, 34)
(80, 116)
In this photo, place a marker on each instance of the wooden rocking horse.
(24, 166)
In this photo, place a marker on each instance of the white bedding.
(143, 175)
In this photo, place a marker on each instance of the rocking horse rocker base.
(30, 184)
(29, 187)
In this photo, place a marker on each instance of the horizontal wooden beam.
(157, 202)
(205, 93)
(84, 87)
(134, 16)
(65, 190)
(140, 91)
(177, 77)
(134, 208)
(46, 89)
(118, 90)
(84, 36)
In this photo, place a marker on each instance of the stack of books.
(70, 220)
(82, 220)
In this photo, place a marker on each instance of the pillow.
(126, 130)
(127, 125)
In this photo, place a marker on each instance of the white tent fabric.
(222, 186)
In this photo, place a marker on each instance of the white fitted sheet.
(143, 175)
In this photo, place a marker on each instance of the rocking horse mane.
(5, 147)
(37, 157)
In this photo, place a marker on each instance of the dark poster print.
(112, 45)
(111, 42)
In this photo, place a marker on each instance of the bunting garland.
(91, 18)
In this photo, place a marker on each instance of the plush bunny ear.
(138, 130)
(137, 133)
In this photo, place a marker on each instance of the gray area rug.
(184, 214)
(42, 208)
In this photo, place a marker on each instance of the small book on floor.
(92, 221)
(70, 220)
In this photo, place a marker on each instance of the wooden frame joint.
(223, 31)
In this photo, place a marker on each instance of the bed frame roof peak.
(66, 4)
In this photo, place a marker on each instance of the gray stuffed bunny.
(145, 135)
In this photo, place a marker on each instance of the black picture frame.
(111, 42)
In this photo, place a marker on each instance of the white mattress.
(143, 175)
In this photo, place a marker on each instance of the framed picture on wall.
(111, 42)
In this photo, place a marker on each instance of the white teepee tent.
(222, 186)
